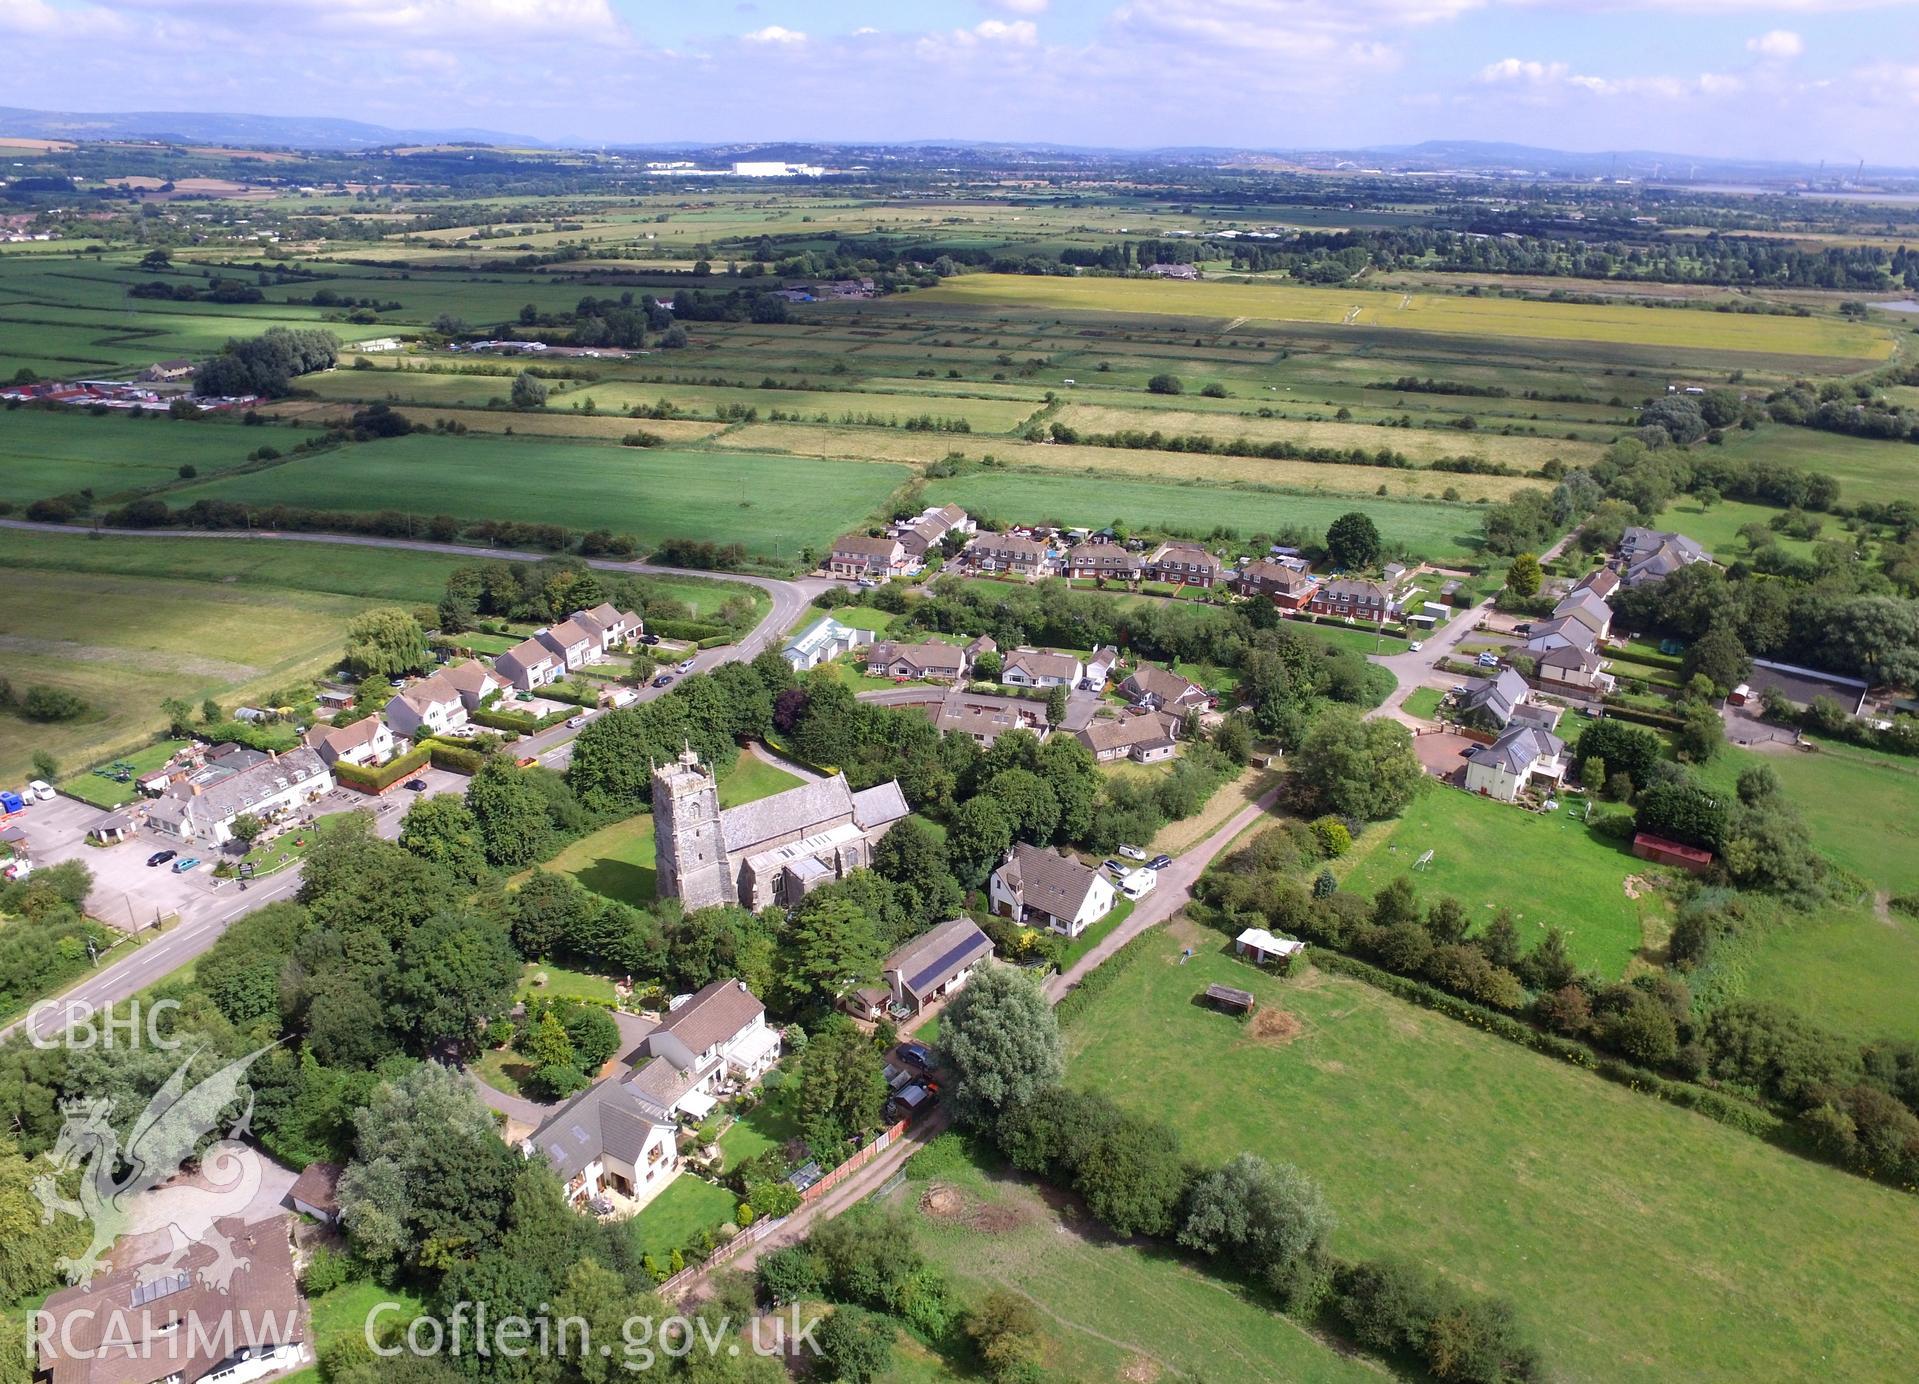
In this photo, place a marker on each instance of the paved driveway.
(1442, 754)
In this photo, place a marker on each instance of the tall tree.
(1353, 540)
(1001, 1038)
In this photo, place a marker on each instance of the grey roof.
(1150, 680)
(864, 545)
(522, 658)
(797, 810)
(1356, 589)
(228, 797)
(881, 805)
(1517, 750)
(1571, 656)
(1126, 732)
(714, 1014)
(1586, 607)
(1048, 880)
(1496, 696)
(985, 716)
(932, 654)
(936, 956)
(1568, 626)
(607, 1117)
(1038, 663)
(566, 634)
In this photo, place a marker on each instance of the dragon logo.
(117, 1186)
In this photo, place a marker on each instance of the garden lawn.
(109, 793)
(1423, 702)
(768, 1125)
(1429, 528)
(1094, 935)
(1110, 1309)
(1637, 1241)
(618, 861)
(1549, 869)
(342, 1313)
(504, 1070)
(772, 505)
(563, 984)
(687, 1206)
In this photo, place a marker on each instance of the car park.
(160, 858)
(1132, 852)
(185, 863)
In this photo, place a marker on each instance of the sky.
(1795, 79)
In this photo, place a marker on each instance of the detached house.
(474, 681)
(1587, 607)
(928, 662)
(936, 964)
(860, 557)
(1570, 667)
(616, 628)
(529, 665)
(821, 642)
(432, 704)
(713, 1041)
(1160, 689)
(607, 1140)
(986, 718)
(1182, 563)
(1653, 554)
(1100, 667)
(1000, 552)
(1561, 632)
(573, 643)
(1491, 702)
(366, 742)
(1144, 739)
(1521, 759)
(920, 535)
(1354, 599)
(1045, 888)
(1037, 668)
(1287, 587)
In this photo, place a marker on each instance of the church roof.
(804, 809)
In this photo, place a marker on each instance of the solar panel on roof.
(927, 974)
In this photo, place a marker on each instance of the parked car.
(575, 722)
(687, 666)
(527, 761)
(917, 1053)
(41, 790)
(1416, 645)
(185, 863)
(160, 858)
(662, 680)
(1118, 869)
(1489, 660)
(1132, 852)
(415, 785)
(1523, 627)
(1159, 862)
(649, 640)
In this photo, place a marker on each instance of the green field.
(1866, 468)
(1427, 529)
(1549, 869)
(1112, 1309)
(125, 644)
(1421, 312)
(1637, 1240)
(45, 453)
(617, 861)
(773, 505)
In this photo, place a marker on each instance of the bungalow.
(473, 680)
(1004, 552)
(573, 643)
(1103, 561)
(365, 742)
(986, 718)
(1653, 554)
(1144, 739)
(1508, 766)
(821, 642)
(1046, 888)
(1570, 667)
(1173, 271)
(1037, 668)
(927, 662)
(528, 665)
(1160, 689)
(1561, 632)
(1182, 563)
(861, 557)
(201, 809)
(935, 964)
(617, 628)
(1354, 599)
(171, 1316)
(1589, 609)
(712, 1041)
(1287, 587)
(432, 704)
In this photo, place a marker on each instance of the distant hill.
(206, 127)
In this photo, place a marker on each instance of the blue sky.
(1802, 79)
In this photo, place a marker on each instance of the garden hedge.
(380, 779)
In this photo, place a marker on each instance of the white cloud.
(1021, 31)
(1781, 45)
(1520, 70)
(775, 34)
(1018, 6)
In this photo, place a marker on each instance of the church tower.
(689, 848)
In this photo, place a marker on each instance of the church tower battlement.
(689, 845)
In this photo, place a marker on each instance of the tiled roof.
(803, 809)
(1048, 880)
(713, 1015)
(1037, 663)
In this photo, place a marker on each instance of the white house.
(432, 704)
(474, 681)
(529, 665)
(712, 1042)
(1045, 888)
(821, 642)
(200, 809)
(366, 742)
(1520, 759)
(607, 1140)
(574, 643)
(616, 628)
(1037, 668)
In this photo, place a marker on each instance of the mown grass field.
(1867, 469)
(1111, 1309)
(45, 454)
(772, 505)
(1427, 529)
(126, 643)
(1419, 312)
(1550, 870)
(604, 426)
(1637, 1241)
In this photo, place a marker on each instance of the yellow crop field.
(1626, 324)
(1419, 444)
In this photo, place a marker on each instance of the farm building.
(1260, 947)
(1233, 1001)
(1801, 685)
